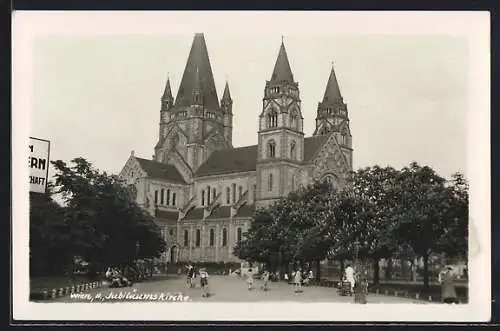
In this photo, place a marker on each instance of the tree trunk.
(318, 270)
(342, 267)
(426, 271)
(388, 269)
(376, 272)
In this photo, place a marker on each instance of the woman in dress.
(298, 280)
(448, 293)
(250, 279)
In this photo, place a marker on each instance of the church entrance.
(173, 254)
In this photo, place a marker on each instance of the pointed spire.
(332, 91)
(198, 71)
(226, 96)
(167, 94)
(282, 71)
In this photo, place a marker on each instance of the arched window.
(224, 237)
(202, 197)
(212, 237)
(234, 193)
(162, 201)
(173, 199)
(293, 152)
(293, 121)
(186, 237)
(214, 194)
(228, 195)
(240, 191)
(238, 235)
(208, 195)
(344, 138)
(168, 197)
(272, 119)
(198, 238)
(271, 149)
(270, 182)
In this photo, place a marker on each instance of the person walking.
(448, 293)
(189, 276)
(297, 279)
(250, 279)
(265, 277)
(204, 282)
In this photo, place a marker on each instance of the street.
(222, 289)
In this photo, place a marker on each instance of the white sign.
(38, 162)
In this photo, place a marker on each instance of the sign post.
(38, 162)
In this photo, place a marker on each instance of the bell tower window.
(271, 149)
(293, 121)
(293, 150)
(272, 119)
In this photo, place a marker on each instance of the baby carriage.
(345, 288)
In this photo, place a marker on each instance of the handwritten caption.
(130, 296)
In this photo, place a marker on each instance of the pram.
(345, 288)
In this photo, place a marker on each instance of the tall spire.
(167, 99)
(226, 96)
(282, 71)
(332, 92)
(198, 67)
(167, 94)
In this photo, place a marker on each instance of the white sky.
(98, 96)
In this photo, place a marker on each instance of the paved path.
(231, 289)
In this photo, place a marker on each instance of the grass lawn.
(39, 284)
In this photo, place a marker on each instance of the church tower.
(332, 116)
(195, 125)
(280, 136)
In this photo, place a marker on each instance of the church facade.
(201, 190)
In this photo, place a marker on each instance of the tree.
(454, 241)
(372, 188)
(48, 241)
(102, 219)
(423, 212)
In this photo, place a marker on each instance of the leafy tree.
(454, 241)
(102, 219)
(423, 213)
(372, 189)
(47, 240)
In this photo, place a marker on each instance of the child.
(250, 279)
(204, 282)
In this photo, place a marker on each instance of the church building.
(203, 191)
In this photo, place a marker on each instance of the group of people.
(265, 277)
(191, 276)
(116, 277)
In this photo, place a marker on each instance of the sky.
(98, 96)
